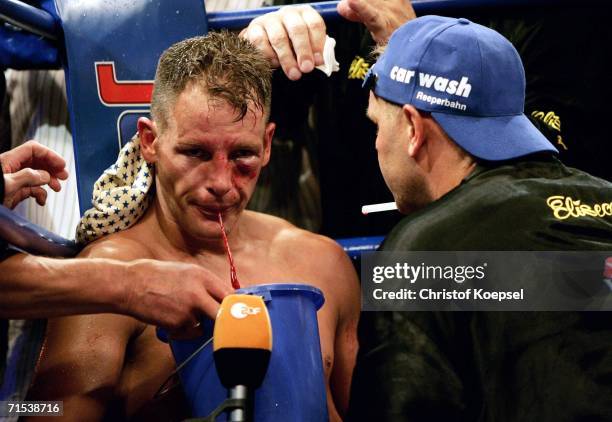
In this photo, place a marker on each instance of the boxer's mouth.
(212, 212)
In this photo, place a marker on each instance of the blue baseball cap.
(469, 77)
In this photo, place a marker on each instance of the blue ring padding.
(285, 288)
(28, 17)
(24, 50)
(237, 19)
(44, 23)
(355, 246)
(29, 237)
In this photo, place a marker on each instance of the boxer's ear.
(268, 135)
(148, 134)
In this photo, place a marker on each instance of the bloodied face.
(207, 162)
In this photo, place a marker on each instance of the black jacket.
(493, 366)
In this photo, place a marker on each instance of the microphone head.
(242, 341)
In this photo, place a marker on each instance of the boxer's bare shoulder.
(117, 246)
(289, 239)
(133, 241)
(302, 256)
(301, 252)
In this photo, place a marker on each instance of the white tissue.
(329, 57)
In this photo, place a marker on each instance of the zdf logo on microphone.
(240, 310)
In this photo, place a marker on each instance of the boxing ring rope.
(238, 19)
(34, 239)
(28, 236)
(43, 23)
(30, 18)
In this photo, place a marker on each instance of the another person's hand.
(175, 296)
(26, 169)
(381, 17)
(292, 37)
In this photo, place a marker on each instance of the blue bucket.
(294, 386)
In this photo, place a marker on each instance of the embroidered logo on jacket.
(358, 69)
(565, 207)
(551, 120)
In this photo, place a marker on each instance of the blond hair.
(227, 67)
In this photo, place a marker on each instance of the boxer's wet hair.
(226, 66)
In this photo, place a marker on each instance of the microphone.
(242, 345)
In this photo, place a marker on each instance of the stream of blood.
(233, 274)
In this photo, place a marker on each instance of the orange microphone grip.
(242, 322)
(242, 341)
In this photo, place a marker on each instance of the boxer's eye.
(196, 153)
(243, 153)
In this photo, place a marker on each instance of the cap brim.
(494, 138)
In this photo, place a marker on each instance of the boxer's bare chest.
(149, 361)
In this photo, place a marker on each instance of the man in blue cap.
(460, 156)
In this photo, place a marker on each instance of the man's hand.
(381, 17)
(26, 169)
(292, 37)
(174, 296)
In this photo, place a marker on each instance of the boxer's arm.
(343, 292)
(81, 363)
(347, 292)
(40, 287)
(169, 294)
(83, 356)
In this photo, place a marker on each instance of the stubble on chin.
(415, 196)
